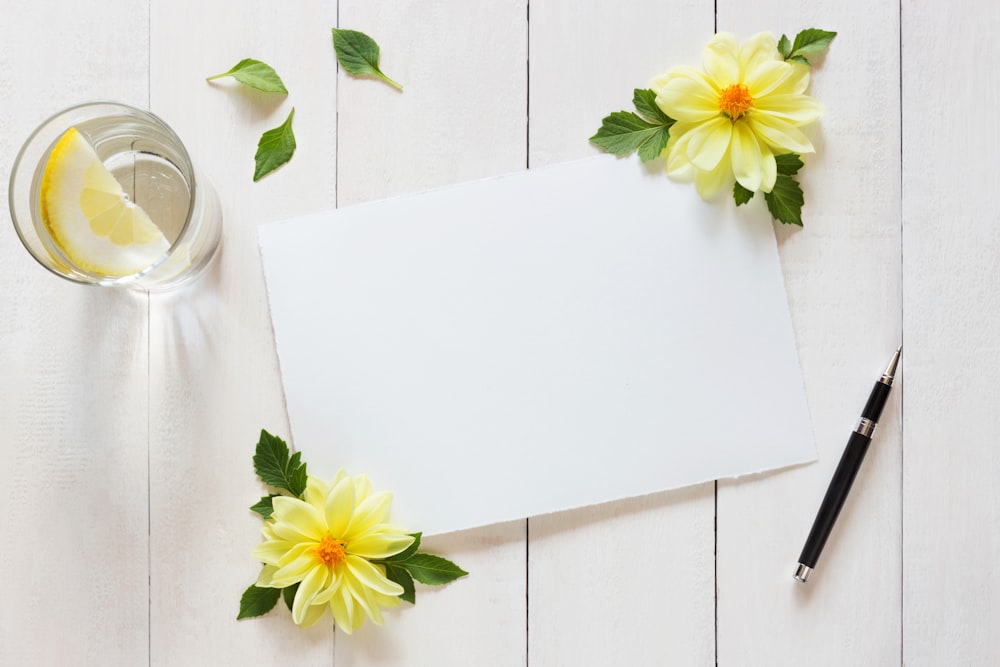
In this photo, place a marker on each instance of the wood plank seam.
(902, 336)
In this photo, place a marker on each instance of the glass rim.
(98, 280)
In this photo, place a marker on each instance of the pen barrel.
(833, 501)
(876, 401)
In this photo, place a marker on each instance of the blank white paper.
(536, 342)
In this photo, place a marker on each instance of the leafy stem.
(255, 74)
(395, 84)
(358, 54)
(809, 42)
(785, 199)
(647, 131)
(274, 149)
(410, 564)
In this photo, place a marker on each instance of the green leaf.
(811, 42)
(431, 570)
(358, 54)
(255, 74)
(408, 551)
(645, 103)
(258, 601)
(397, 574)
(785, 200)
(741, 194)
(264, 506)
(784, 47)
(289, 594)
(299, 478)
(274, 467)
(274, 149)
(788, 163)
(799, 59)
(623, 132)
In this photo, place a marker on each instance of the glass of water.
(105, 193)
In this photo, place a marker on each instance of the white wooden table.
(127, 422)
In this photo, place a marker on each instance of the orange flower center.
(330, 551)
(735, 100)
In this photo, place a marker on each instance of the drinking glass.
(153, 168)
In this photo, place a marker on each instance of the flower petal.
(295, 552)
(708, 183)
(296, 520)
(362, 487)
(314, 582)
(796, 109)
(385, 601)
(780, 135)
(759, 48)
(767, 77)
(316, 490)
(332, 587)
(746, 157)
(264, 578)
(374, 600)
(271, 551)
(721, 60)
(708, 142)
(657, 83)
(364, 600)
(313, 614)
(295, 570)
(342, 606)
(370, 512)
(358, 618)
(267, 530)
(689, 97)
(796, 82)
(369, 576)
(373, 608)
(339, 507)
(679, 167)
(381, 543)
(770, 168)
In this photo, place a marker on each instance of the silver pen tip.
(890, 371)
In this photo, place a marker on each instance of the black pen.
(847, 470)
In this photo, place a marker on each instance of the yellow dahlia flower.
(733, 118)
(325, 543)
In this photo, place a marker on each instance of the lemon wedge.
(90, 217)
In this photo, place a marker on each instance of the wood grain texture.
(842, 273)
(951, 246)
(461, 116)
(216, 381)
(73, 373)
(632, 582)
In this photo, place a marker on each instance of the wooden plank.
(215, 380)
(842, 273)
(73, 377)
(951, 242)
(461, 116)
(626, 583)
